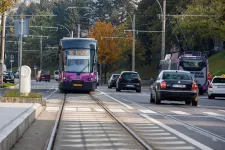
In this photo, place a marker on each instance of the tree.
(211, 25)
(108, 49)
(5, 5)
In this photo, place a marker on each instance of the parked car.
(56, 75)
(217, 87)
(112, 80)
(128, 80)
(174, 85)
(8, 77)
(43, 76)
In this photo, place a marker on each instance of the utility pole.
(41, 52)
(78, 34)
(163, 30)
(3, 45)
(21, 48)
(133, 45)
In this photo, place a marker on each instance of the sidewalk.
(15, 118)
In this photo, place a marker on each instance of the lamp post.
(66, 29)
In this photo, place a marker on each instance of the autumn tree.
(108, 49)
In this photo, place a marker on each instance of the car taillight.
(163, 85)
(139, 79)
(120, 78)
(210, 86)
(194, 86)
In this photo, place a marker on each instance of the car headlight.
(90, 79)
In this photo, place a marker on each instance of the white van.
(56, 75)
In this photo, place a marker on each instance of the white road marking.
(169, 143)
(181, 135)
(83, 109)
(174, 148)
(213, 114)
(52, 109)
(147, 111)
(70, 109)
(162, 138)
(127, 106)
(116, 110)
(99, 109)
(222, 110)
(157, 134)
(180, 113)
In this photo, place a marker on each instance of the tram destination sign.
(79, 52)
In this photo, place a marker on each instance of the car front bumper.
(130, 86)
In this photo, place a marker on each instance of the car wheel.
(152, 100)
(118, 89)
(188, 102)
(138, 90)
(195, 101)
(157, 98)
(211, 97)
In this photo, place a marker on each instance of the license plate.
(130, 85)
(220, 86)
(77, 84)
(179, 86)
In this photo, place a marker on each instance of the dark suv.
(112, 80)
(43, 76)
(128, 80)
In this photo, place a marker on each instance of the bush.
(4, 85)
(15, 93)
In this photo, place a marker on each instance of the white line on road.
(127, 106)
(222, 110)
(180, 113)
(213, 114)
(181, 135)
(147, 111)
(116, 110)
(174, 148)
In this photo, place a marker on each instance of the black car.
(174, 85)
(112, 80)
(8, 77)
(128, 80)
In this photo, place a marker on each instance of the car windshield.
(219, 80)
(176, 76)
(115, 76)
(130, 75)
(45, 72)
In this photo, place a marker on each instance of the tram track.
(54, 132)
(194, 128)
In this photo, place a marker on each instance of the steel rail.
(54, 129)
(185, 124)
(133, 134)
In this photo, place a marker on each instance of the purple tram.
(78, 64)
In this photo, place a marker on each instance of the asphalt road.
(204, 123)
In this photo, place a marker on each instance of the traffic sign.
(12, 61)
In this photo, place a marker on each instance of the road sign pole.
(21, 48)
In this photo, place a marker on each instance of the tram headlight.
(90, 79)
(65, 78)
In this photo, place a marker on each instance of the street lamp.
(71, 35)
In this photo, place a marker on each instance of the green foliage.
(15, 93)
(4, 85)
(217, 63)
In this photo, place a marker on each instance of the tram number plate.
(77, 84)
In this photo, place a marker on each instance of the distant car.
(112, 80)
(217, 87)
(128, 80)
(56, 75)
(8, 77)
(43, 76)
(174, 85)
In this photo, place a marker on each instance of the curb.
(13, 131)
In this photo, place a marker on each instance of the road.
(168, 126)
(204, 123)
